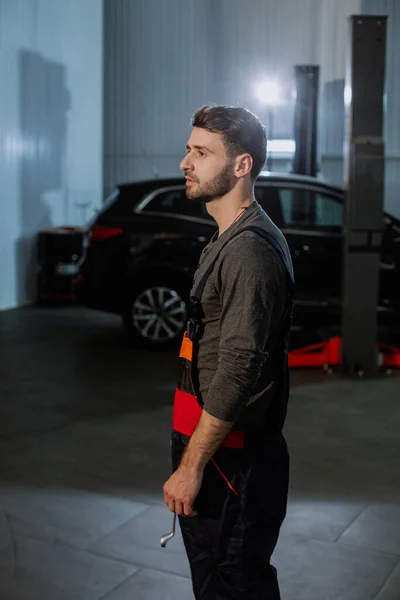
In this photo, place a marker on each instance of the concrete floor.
(84, 452)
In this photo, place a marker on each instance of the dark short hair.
(242, 131)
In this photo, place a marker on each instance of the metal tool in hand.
(168, 536)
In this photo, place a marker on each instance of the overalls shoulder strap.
(264, 234)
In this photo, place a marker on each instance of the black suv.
(143, 248)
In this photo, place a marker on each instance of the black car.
(143, 247)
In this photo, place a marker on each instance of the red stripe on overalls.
(187, 410)
(186, 414)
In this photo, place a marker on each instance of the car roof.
(264, 176)
(152, 184)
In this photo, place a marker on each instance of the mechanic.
(230, 460)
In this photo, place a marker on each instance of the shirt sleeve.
(250, 280)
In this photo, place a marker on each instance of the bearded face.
(208, 168)
(206, 190)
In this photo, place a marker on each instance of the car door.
(311, 218)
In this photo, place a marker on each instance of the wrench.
(168, 536)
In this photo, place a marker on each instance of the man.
(230, 460)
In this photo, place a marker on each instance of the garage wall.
(165, 59)
(50, 128)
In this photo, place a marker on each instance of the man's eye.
(200, 153)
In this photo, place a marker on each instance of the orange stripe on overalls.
(186, 348)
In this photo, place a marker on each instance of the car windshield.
(110, 199)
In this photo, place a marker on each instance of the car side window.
(268, 197)
(174, 201)
(310, 209)
(328, 211)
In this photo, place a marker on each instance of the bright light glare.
(281, 146)
(268, 93)
(348, 92)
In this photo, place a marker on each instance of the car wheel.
(157, 315)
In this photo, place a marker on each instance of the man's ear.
(243, 165)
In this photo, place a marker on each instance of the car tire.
(156, 314)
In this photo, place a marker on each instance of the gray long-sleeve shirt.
(243, 303)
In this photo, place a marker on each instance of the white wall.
(51, 123)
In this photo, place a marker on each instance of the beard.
(219, 186)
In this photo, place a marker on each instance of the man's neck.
(228, 209)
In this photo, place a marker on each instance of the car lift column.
(305, 119)
(364, 180)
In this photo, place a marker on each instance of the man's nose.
(185, 164)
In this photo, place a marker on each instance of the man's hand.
(181, 490)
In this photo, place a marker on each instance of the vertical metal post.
(364, 180)
(305, 119)
(269, 138)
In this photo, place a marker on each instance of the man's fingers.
(178, 508)
(166, 498)
(169, 501)
(188, 510)
(182, 509)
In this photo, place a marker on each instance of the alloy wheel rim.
(159, 314)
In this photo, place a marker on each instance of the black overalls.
(242, 501)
